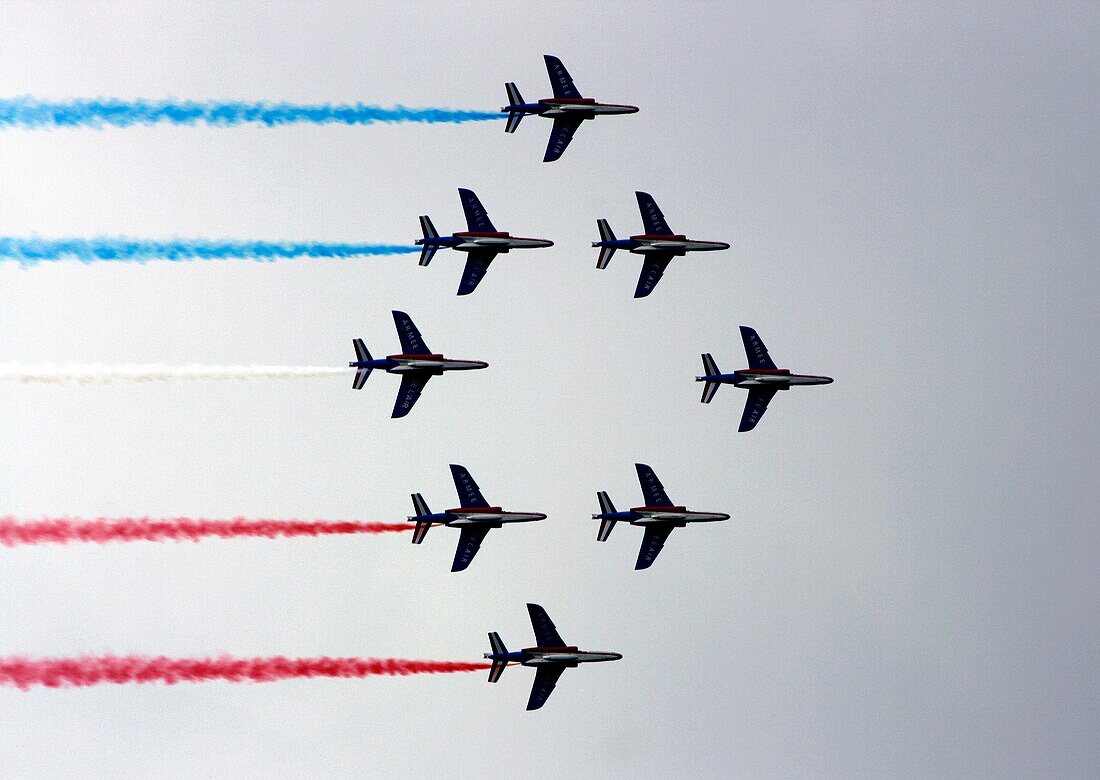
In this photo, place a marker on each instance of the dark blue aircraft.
(550, 656)
(659, 516)
(762, 379)
(567, 108)
(475, 517)
(658, 244)
(482, 242)
(416, 364)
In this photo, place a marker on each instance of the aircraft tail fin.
(420, 506)
(606, 234)
(606, 508)
(428, 252)
(362, 354)
(710, 368)
(498, 649)
(514, 99)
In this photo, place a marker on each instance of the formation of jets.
(482, 242)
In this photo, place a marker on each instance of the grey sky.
(907, 587)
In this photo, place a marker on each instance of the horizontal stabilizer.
(360, 379)
(514, 118)
(514, 98)
(420, 506)
(427, 253)
(606, 507)
(709, 389)
(497, 670)
(605, 529)
(421, 530)
(606, 234)
(710, 368)
(427, 227)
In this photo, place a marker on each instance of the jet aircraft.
(762, 379)
(659, 516)
(550, 656)
(567, 108)
(416, 364)
(482, 242)
(658, 244)
(475, 517)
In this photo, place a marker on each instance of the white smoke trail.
(96, 374)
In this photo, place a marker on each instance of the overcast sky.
(907, 586)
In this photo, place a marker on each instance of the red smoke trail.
(23, 673)
(178, 529)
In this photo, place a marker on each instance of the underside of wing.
(755, 406)
(477, 263)
(652, 544)
(469, 494)
(546, 678)
(469, 542)
(411, 387)
(562, 133)
(652, 271)
(755, 351)
(652, 489)
(546, 633)
(477, 220)
(652, 217)
(412, 343)
(560, 80)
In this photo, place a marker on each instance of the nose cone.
(617, 656)
(483, 364)
(826, 380)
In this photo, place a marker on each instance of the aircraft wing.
(546, 678)
(652, 544)
(412, 343)
(652, 218)
(546, 634)
(755, 406)
(468, 492)
(560, 136)
(652, 271)
(469, 542)
(755, 350)
(411, 387)
(477, 263)
(560, 80)
(652, 488)
(477, 221)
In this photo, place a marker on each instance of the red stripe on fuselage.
(477, 510)
(663, 237)
(781, 371)
(483, 235)
(416, 357)
(658, 509)
(586, 101)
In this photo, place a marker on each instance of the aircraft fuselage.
(673, 245)
(559, 656)
(780, 378)
(404, 364)
(471, 241)
(493, 514)
(582, 108)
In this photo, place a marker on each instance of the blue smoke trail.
(28, 112)
(32, 251)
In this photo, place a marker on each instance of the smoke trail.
(63, 530)
(32, 251)
(24, 673)
(101, 375)
(31, 113)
